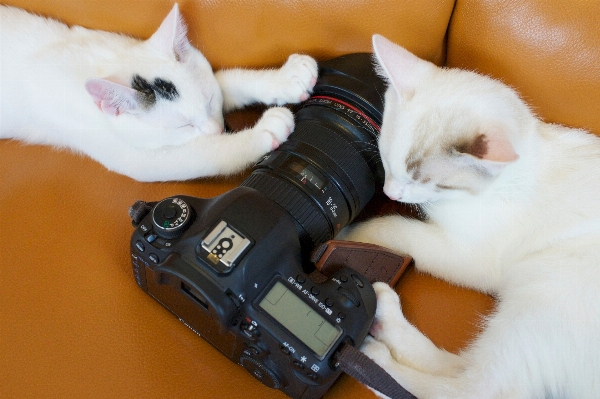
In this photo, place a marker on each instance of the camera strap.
(360, 367)
(372, 261)
(376, 264)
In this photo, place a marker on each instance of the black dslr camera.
(235, 268)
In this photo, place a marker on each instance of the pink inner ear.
(499, 148)
(171, 36)
(108, 108)
(404, 69)
(111, 98)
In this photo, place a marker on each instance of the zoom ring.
(307, 215)
(344, 154)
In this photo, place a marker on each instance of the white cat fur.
(519, 220)
(72, 87)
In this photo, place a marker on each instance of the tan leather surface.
(259, 33)
(73, 323)
(548, 50)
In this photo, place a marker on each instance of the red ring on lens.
(353, 108)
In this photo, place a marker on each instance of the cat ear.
(491, 150)
(171, 36)
(404, 69)
(112, 98)
(493, 145)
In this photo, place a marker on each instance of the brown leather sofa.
(74, 324)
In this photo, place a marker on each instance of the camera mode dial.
(171, 217)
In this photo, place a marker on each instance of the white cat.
(151, 110)
(512, 210)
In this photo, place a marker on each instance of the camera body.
(236, 268)
(231, 269)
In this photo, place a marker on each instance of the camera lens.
(329, 168)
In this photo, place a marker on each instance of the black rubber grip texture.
(342, 153)
(306, 213)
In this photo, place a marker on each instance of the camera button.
(298, 364)
(140, 246)
(301, 279)
(153, 258)
(234, 299)
(344, 278)
(250, 330)
(151, 237)
(329, 302)
(342, 315)
(252, 351)
(349, 296)
(315, 290)
(357, 281)
(285, 349)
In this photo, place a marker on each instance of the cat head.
(163, 82)
(446, 133)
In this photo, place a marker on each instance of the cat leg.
(405, 342)
(210, 155)
(461, 262)
(413, 380)
(291, 83)
(504, 362)
(477, 385)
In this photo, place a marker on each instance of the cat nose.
(213, 126)
(391, 195)
(393, 189)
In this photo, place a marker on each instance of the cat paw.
(297, 77)
(389, 320)
(278, 123)
(377, 351)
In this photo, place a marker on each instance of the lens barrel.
(329, 168)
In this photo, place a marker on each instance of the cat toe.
(386, 296)
(301, 71)
(304, 68)
(278, 122)
(376, 351)
(389, 319)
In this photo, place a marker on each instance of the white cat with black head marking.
(511, 208)
(151, 110)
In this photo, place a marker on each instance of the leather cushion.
(548, 50)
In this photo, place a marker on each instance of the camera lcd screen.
(300, 319)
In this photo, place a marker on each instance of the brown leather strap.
(376, 264)
(372, 261)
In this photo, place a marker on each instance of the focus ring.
(344, 154)
(303, 209)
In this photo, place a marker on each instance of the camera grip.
(372, 261)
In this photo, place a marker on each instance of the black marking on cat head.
(165, 89)
(413, 165)
(478, 147)
(147, 91)
(146, 95)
